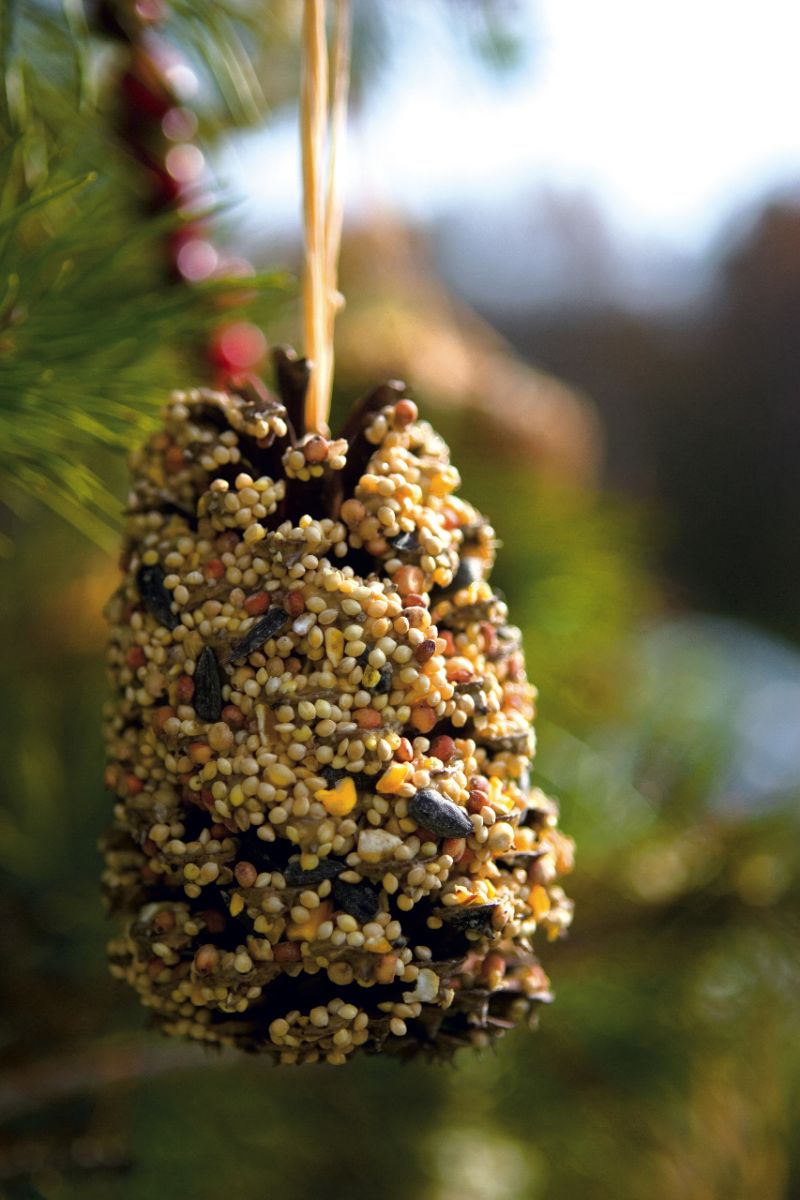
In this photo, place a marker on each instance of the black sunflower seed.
(359, 900)
(207, 686)
(274, 621)
(327, 868)
(470, 568)
(441, 816)
(156, 598)
(472, 916)
(384, 684)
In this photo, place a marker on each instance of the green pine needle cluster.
(92, 337)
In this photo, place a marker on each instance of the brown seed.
(214, 568)
(443, 748)
(405, 411)
(256, 604)
(316, 449)
(246, 874)
(455, 847)
(135, 657)
(425, 650)
(480, 782)
(199, 752)
(414, 600)
(134, 784)
(352, 512)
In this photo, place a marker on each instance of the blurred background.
(574, 229)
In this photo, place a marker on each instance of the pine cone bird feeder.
(325, 836)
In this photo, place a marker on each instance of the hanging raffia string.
(322, 123)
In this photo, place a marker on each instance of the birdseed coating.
(324, 834)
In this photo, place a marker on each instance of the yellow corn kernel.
(339, 800)
(539, 901)
(237, 904)
(393, 779)
(306, 931)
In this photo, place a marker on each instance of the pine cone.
(325, 836)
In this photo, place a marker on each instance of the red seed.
(256, 603)
(414, 600)
(425, 650)
(476, 801)
(367, 718)
(423, 718)
(206, 960)
(164, 921)
(200, 752)
(316, 450)
(480, 782)
(408, 579)
(184, 689)
(287, 952)
(174, 459)
(233, 716)
(405, 751)
(162, 715)
(489, 637)
(443, 748)
(294, 666)
(134, 785)
(214, 921)
(214, 569)
(135, 657)
(405, 411)
(294, 603)
(449, 641)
